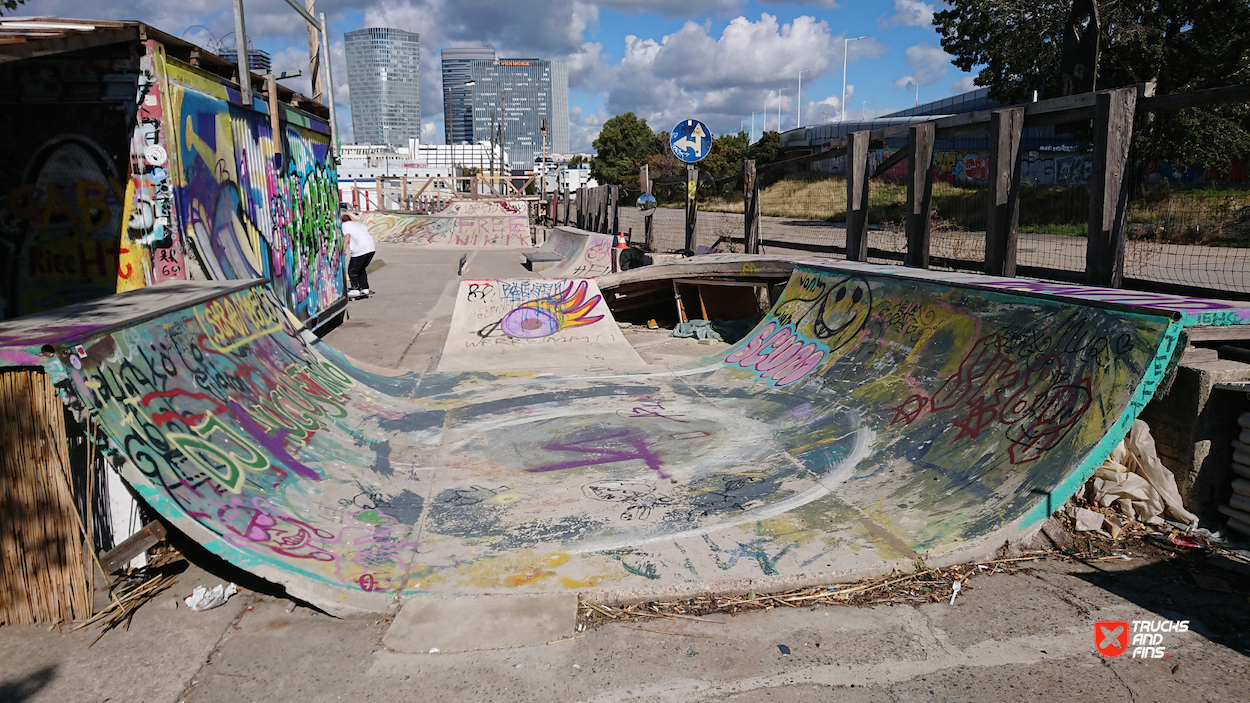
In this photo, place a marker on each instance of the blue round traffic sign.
(691, 140)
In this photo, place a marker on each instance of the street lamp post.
(846, 43)
(800, 98)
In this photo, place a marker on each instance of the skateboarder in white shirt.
(360, 245)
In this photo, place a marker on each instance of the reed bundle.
(45, 546)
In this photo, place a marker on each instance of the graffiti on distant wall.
(473, 225)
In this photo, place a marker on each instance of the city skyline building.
(258, 60)
(533, 90)
(457, 66)
(384, 77)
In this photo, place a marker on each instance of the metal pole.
(329, 89)
(846, 43)
(240, 43)
(800, 98)
(692, 183)
(314, 51)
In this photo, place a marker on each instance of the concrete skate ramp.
(582, 254)
(531, 324)
(470, 224)
(869, 420)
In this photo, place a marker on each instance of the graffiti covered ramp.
(867, 421)
(534, 325)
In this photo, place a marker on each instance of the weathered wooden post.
(644, 183)
(750, 208)
(1108, 187)
(1002, 216)
(378, 192)
(857, 196)
(919, 193)
(616, 210)
(403, 191)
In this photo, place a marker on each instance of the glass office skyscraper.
(532, 90)
(384, 74)
(457, 99)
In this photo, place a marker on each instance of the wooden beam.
(1108, 188)
(919, 153)
(1002, 216)
(857, 197)
(895, 159)
(133, 546)
(1197, 98)
(750, 208)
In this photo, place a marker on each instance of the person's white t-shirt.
(359, 241)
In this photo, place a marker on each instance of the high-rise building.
(457, 97)
(258, 60)
(532, 90)
(384, 74)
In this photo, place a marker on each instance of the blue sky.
(665, 60)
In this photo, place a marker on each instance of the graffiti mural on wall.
(246, 213)
(62, 190)
(149, 236)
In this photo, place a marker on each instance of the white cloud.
(431, 132)
(913, 13)
(928, 63)
(724, 78)
(964, 85)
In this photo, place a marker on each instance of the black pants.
(357, 271)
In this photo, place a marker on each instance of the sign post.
(691, 141)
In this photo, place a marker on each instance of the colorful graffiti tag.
(545, 316)
(497, 323)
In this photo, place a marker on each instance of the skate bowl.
(873, 418)
(475, 224)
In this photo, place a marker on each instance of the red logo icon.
(1111, 637)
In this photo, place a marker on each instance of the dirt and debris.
(1134, 541)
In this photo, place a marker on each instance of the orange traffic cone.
(620, 241)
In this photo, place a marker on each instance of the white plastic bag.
(204, 598)
(1136, 482)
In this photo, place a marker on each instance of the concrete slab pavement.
(462, 624)
(1009, 637)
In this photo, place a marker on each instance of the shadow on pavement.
(22, 689)
(1170, 589)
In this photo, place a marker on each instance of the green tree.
(1184, 45)
(624, 143)
(577, 160)
(9, 5)
(726, 155)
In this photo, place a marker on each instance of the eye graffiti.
(544, 317)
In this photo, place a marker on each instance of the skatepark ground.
(1028, 634)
